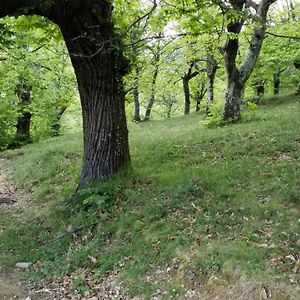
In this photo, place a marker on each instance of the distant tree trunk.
(237, 77)
(276, 82)
(186, 87)
(135, 89)
(298, 89)
(55, 127)
(199, 96)
(169, 111)
(23, 129)
(22, 136)
(187, 102)
(297, 66)
(198, 102)
(211, 70)
(260, 88)
(153, 86)
(136, 116)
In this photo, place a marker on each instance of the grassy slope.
(201, 202)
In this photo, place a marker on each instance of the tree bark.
(237, 77)
(186, 87)
(153, 85)
(232, 100)
(55, 127)
(199, 96)
(98, 72)
(187, 98)
(93, 47)
(260, 88)
(211, 70)
(137, 114)
(23, 129)
(22, 136)
(276, 83)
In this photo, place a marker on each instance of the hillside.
(204, 213)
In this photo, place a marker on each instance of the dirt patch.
(12, 198)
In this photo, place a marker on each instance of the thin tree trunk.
(169, 111)
(260, 89)
(136, 116)
(187, 98)
(199, 96)
(198, 105)
(186, 87)
(153, 90)
(298, 89)
(55, 127)
(211, 70)
(276, 83)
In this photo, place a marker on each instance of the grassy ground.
(200, 204)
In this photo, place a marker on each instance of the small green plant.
(214, 119)
(80, 284)
(250, 112)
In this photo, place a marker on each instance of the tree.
(99, 65)
(186, 88)
(238, 76)
(156, 52)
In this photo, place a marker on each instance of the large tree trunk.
(237, 77)
(92, 44)
(100, 84)
(232, 100)
(98, 63)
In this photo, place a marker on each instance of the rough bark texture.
(237, 77)
(93, 47)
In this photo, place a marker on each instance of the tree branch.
(24, 7)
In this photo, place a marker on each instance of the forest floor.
(12, 202)
(207, 214)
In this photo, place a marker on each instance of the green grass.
(213, 200)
